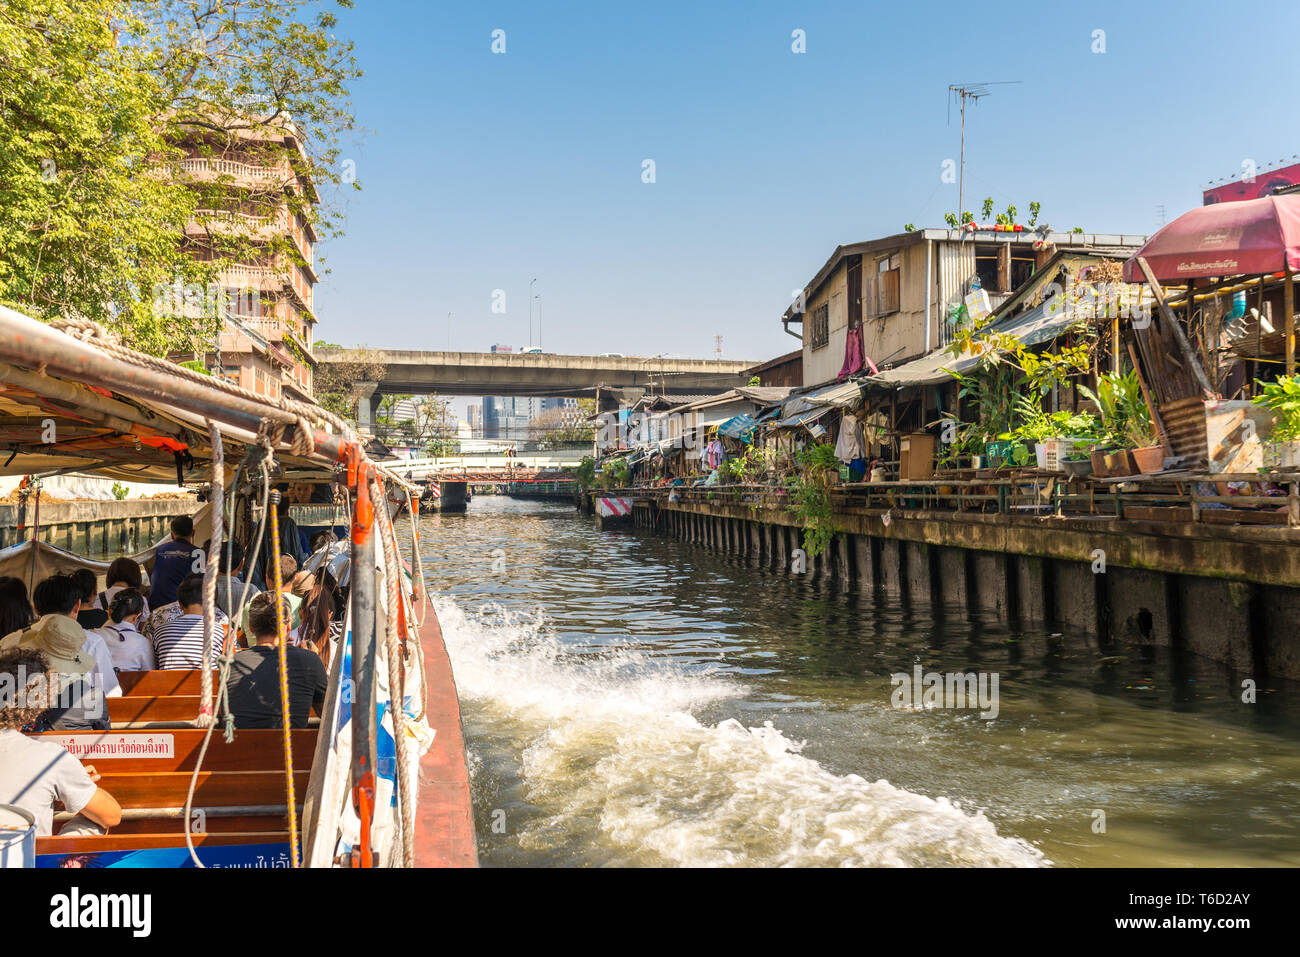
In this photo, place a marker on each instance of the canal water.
(630, 700)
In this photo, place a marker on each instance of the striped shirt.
(178, 642)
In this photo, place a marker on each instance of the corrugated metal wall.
(956, 265)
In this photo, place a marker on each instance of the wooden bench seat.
(244, 823)
(134, 789)
(137, 708)
(254, 749)
(179, 681)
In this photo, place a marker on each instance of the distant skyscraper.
(474, 412)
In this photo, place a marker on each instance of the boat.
(379, 778)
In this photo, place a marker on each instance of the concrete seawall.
(95, 528)
(1206, 590)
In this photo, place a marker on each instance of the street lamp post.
(530, 311)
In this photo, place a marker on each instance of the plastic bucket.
(17, 837)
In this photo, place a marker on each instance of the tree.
(564, 427)
(339, 384)
(102, 101)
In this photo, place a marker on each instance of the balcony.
(210, 169)
(260, 228)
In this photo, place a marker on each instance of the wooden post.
(1114, 344)
(1167, 314)
(1288, 308)
(1155, 413)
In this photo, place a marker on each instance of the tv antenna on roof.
(964, 92)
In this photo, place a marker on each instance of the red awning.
(1248, 238)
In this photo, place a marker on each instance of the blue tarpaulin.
(738, 427)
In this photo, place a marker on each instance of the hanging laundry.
(714, 454)
(853, 352)
(851, 444)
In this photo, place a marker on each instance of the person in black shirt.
(89, 617)
(254, 688)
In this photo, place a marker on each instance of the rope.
(417, 593)
(305, 415)
(206, 715)
(282, 633)
(227, 659)
(393, 652)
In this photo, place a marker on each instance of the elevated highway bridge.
(611, 380)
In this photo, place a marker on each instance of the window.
(986, 267)
(1022, 267)
(819, 328)
(888, 272)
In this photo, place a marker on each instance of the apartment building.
(255, 209)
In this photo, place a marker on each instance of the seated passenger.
(56, 634)
(178, 642)
(254, 689)
(173, 560)
(35, 773)
(232, 561)
(130, 650)
(15, 607)
(123, 573)
(91, 619)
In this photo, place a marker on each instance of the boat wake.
(615, 768)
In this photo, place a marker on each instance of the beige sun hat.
(60, 639)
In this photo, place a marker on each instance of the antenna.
(964, 92)
(1160, 208)
(717, 343)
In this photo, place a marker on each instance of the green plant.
(743, 467)
(810, 502)
(1282, 398)
(1125, 417)
(120, 491)
(818, 458)
(615, 474)
(586, 472)
(810, 497)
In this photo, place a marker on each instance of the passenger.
(123, 573)
(173, 560)
(178, 642)
(232, 561)
(34, 774)
(321, 540)
(15, 608)
(290, 543)
(254, 689)
(89, 617)
(56, 634)
(130, 650)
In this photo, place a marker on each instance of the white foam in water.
(613, 755)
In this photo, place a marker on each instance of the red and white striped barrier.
(613, 507)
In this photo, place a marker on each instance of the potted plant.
(1282, 398)
(1147, 452)
(1077, 463)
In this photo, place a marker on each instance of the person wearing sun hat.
(35, 772)
(80, 704)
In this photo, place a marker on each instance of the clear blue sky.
(481, 171)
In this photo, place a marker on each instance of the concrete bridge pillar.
(367, 406)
